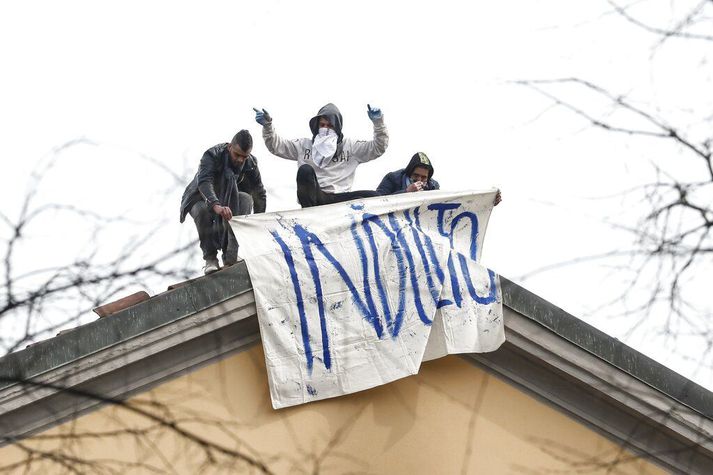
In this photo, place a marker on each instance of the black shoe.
(230, 261)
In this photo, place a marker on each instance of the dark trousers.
(214, 233)
(310, 194)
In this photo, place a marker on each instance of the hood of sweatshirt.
(332, 114)
(419, 159)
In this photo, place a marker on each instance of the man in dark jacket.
(228, 183)
(417, 176)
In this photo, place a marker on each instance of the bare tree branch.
(677, 31)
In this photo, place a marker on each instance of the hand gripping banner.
(354, 295)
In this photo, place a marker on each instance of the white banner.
(354, 295)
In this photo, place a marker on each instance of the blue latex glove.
(374, 113)
(262, 117)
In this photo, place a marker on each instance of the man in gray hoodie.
(327, 161)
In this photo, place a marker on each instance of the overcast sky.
(167, 80)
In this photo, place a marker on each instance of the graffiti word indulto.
(409, 245)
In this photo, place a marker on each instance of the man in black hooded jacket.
(417, 176)
(327, 160)
(228, 183)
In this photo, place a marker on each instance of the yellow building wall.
(450, 418)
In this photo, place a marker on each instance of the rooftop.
(548, 353)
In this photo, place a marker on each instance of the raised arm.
(289, 149)
(365, 150)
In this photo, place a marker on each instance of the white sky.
(171, 79)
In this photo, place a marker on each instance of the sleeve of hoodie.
(289, 149)
(206, 174)
(366, 150)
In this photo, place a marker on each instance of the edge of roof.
(162, 309)
(202, 293)
(607, 348)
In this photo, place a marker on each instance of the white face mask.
(324, 145)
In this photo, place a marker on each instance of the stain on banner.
(354, 295)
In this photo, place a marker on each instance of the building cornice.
(550, 354)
